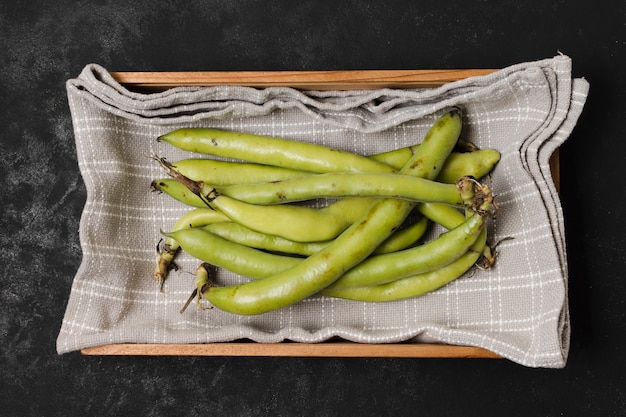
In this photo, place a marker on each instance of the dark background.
(43, 43)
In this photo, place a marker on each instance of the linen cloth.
(518, 309)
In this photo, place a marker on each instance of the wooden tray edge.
(305, 80)
(325, 349)
(312, 80)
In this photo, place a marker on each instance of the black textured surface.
(43, 43)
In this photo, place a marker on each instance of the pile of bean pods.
(298, 219)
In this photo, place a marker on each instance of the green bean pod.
(245, 209)
(403, 238)
(381, 268)
(224, 173)
(329, 220)
(429, 256)
(351, 247)
(329, 185)
(297, 223)
(401, 289)
(376, 269)
(476, 163)
(234, 232)
(178, 191)
(426, 282)
(240, 234)
(341, 185)
(167, 252)
(231, 256)
(266, 150)
(312, 274)
(304, 224)
(414, 286)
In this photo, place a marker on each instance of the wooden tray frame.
(305, 80)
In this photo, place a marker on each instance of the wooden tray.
(311, 80)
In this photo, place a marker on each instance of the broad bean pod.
(267, 150)
(404, 288)
(313, 225)
(297, 223)
(423, 283)
(194, 241)
(414, 286)
(167, 252)
(429, 256)
(399, 240)
(350, 247)
(376, 269)
(475, 164)
(243, 260)
(341, 185)
(224, 173)
(407, 287)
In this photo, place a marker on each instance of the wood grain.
(326, 349)
(305, 80)
(311, 80)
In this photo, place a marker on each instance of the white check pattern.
(519, 309)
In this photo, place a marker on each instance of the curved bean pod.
(403, 238)
(244, 207)
(381, 268)
(260, 149)
(297, 223)
(341, 185)
(167, 252)
(410, 287)
(429, 281)
(399, 240)
(429, 256)
(224, 173)
(433, 255)
(329, 221)
(313, 273)
(475, 164)
(240, 234)
(376, 269)
(223, 253)
(178, 191)
(416, 285)
(348, 249)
